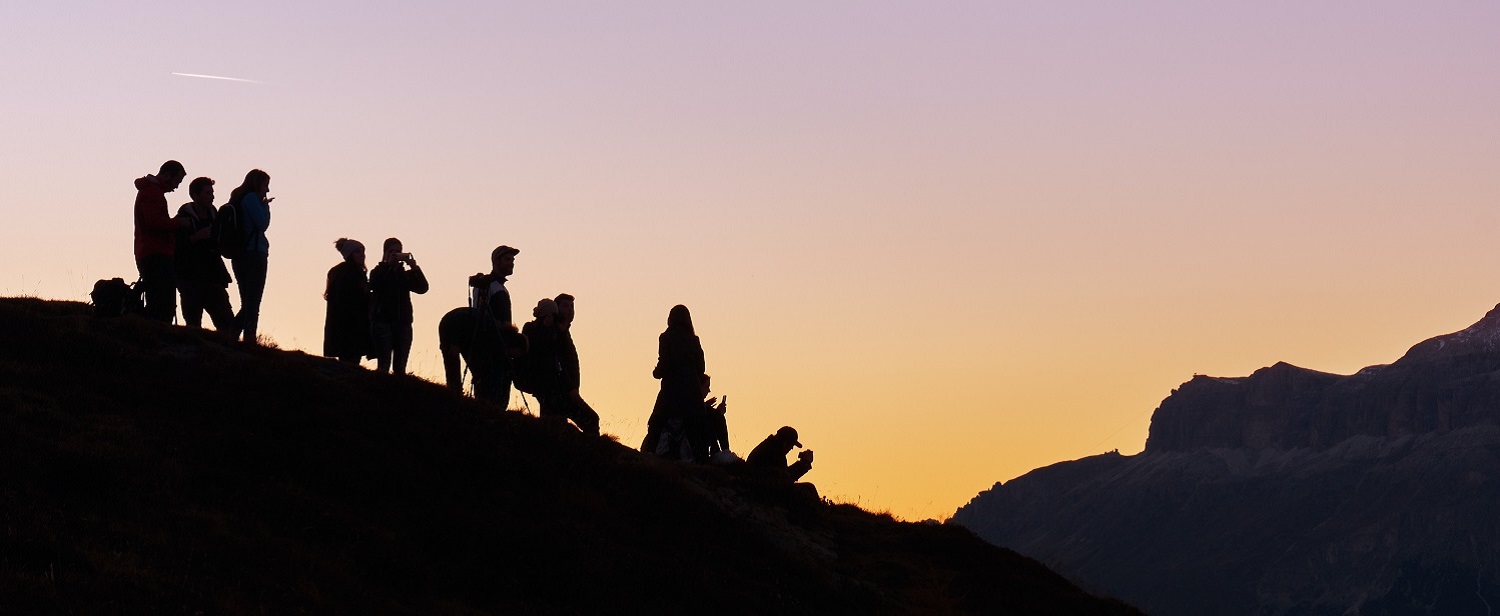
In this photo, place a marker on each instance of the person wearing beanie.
(538, 372)
(346, 329)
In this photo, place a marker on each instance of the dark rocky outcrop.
(147, 469)
(1289, 491)
(1444, 383)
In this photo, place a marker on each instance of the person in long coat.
(680, 366)
(346, 330)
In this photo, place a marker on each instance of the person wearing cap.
(498, 339)
(346, 330)
(771, 454)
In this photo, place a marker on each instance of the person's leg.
(216, 302)
(380, 334)
(192, 302)
(582, 414)
(401, 343)
(158, 276)
(250, 270)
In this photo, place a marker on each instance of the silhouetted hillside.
(146, 468)
(1288, 491)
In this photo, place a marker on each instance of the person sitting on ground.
(712, 429)
(346, 330)
(392, 282)
(202, 278)
(771, 454)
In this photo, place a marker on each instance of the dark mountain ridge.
(1288, 491)
(146, 468)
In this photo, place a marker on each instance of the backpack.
(112, 298)
(228, 232)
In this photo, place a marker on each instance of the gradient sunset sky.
(950, 242)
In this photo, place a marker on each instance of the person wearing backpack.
(249, 211)
(156, 241)
(346, 330)
(202, 279)
(391, 286)
(497, 340)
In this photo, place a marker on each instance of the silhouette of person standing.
(680, 366)
(540, 366)
(497, 338)
(156, 240)
(573, 404)
(252, 209)
(392, 282)
(346, 330)
(771, 454)
(202, 278)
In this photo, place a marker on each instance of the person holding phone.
(392, 282)
(252, 207)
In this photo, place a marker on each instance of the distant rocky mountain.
(1289, 491)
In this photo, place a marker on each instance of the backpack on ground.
(229, 232)
(112, 298)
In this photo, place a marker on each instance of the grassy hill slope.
(146, 468)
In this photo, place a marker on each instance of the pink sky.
(948, 242)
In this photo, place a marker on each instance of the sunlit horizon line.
(216, 77)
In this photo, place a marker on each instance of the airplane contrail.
(215, 77)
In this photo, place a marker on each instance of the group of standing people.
(369, 311)
(369, 314)
(185, 253)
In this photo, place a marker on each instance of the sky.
(948, 242)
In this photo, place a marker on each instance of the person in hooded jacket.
(156, 240)
(680, 367)
(392, 282)
(346, 330)
(251, 207)
(202, 279)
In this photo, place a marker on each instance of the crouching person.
(770, 455)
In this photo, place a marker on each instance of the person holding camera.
(771, 454)
(392, 282)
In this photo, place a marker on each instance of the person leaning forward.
(771, 454)
(156, 240)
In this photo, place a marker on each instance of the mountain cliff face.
(1288, 491)
(1444, 383)
(155, 469)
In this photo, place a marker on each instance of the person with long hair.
(680, 366)
(346, 330)
(251, 207)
